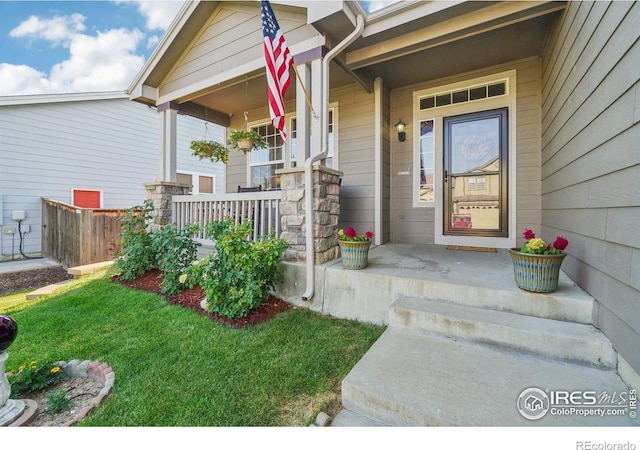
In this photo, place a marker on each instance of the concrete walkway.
(18, 265)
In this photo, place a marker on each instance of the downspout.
(308, 165)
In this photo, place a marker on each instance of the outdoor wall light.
(400, 129)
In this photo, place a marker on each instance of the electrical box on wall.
(18, 215)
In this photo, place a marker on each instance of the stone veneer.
(160, 194)
(326, 211)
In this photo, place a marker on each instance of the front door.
(475, 174)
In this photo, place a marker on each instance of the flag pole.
(295, 69)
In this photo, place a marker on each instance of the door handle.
(446, 175)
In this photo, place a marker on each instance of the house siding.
(47, 149)
(416, 225)
(356, 138)
(231, 39)
(591, 159)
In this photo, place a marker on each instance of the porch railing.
(262, 208)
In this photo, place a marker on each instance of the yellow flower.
(33, 363)
(21, 368)
(535, 244)
(340, 233)
(183, 278)
(55, 369)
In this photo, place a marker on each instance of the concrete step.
(367, 294)
(571, 342)
(346, 418)
(46, 290)
(408, 379)
(79, 271)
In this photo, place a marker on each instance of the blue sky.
(53, 47)
(77, 46)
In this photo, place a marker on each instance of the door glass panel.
(475, 181)
(426, 161)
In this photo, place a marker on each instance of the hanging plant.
(211, 150)
(246, 140)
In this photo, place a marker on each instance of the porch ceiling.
(456, 39)
(517, 41)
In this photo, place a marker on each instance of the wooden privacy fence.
(74, 236)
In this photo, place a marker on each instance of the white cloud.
(159, 14)
(20, 80)
(105, 62)
(152, 41)
(58, 30)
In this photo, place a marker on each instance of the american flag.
(278, 59)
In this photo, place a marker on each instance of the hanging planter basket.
(245, 145)
(536, 273)
(355, 254)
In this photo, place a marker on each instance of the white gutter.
(308, 165)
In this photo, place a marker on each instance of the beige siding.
(416, 225)
(591, 159)
(356, 156)
(231, 38)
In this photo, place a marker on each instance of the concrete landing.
(46, 290)
(408, 379)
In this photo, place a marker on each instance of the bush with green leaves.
(136, 255)
(174, 250)
(239, 275)
(57, 401)
(34, 376)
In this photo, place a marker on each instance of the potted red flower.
(354, 248)
(536, 265)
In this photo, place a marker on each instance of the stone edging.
(96, 370)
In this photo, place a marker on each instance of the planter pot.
(245, 144)
(354, 254)
(536, 273)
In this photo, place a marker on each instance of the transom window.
(479, 92)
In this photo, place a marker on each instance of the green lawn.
(175, 367)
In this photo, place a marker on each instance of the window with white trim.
(263, 162)
(331, 142)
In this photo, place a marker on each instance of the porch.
(463, 341)
(474, 278)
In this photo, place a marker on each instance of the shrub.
(238, 276)
(57, 401)
(174, 250)
(34, 376)
(136, 256)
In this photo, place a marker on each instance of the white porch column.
(303, 116)
(168, 142)
(378, 177)
(316, 99)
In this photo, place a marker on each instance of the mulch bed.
(191, 298)
(26, 280)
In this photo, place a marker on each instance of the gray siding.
(49, 148)
(591, 159)
(416, 225)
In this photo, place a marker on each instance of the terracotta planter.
(536, 273)
(355, 254)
